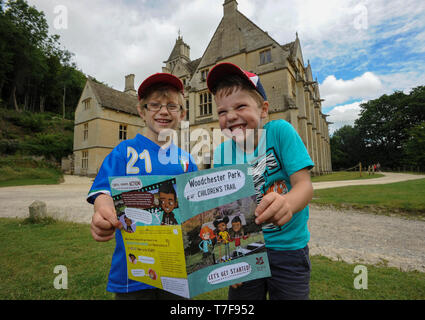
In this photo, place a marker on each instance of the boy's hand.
(104, 220)
(279, 209)
(273, 208)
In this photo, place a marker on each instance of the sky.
(358, 50)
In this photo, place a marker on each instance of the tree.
(414, 149)
(346, 148)
(385, 125)
(35, 72)
(29, 33)
(6, 56)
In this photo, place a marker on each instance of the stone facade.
(103, 118)
(292, 93)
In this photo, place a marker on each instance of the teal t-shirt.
(279, 154)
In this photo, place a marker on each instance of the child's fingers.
(100, 229)
(99, 238)
(110, 216)
(274, 208)
(264, 203)
(101, 235)
(106, 219)
(101, 222)
(284, 220)
(266, 208)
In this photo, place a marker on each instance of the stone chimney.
(230, 7)
(129, 84)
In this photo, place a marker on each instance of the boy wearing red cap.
(280, 164)
(161, 107)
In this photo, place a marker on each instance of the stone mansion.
(105, 116)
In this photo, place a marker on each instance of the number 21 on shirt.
(134, 156)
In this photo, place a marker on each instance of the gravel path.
(65, 201)
(350, 236)
(357, 237)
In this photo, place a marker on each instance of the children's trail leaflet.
(192, 233)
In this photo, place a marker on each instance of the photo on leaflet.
(155, 204)
(222, 234)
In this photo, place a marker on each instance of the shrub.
(50, 145)
(39, 134)
(8, 146)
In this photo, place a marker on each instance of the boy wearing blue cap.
(280, 167)
(161, 107)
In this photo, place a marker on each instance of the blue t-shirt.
(279, 154)
(138, 156)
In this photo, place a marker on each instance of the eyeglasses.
(155, 107)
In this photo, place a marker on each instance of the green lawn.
(406, 197)
(16, 171)
(30, 252)
(345, 175)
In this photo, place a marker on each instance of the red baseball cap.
(166, 78)
(225, 69)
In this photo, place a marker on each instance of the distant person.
(161, 106)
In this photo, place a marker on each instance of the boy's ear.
(141, 111)
(264, 110)
(183, 114)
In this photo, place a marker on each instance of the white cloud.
(419, 43)
(343, 115)
(113, 38)
(336, 91)
(368, 86)
(402, 81)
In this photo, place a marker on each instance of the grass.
(345, 175)
(406, 197)
(18, 171)
(30, 252)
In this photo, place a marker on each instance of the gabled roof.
(235, 34)
(296, 51)
(193, 65)
(175, 53)
(114, 99)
